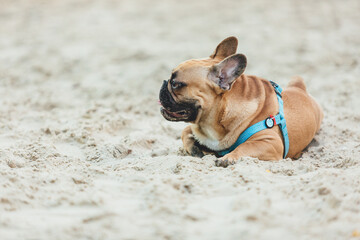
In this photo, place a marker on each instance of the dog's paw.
(196, 152)
(192, 147)
(226, 160)
(193, 150)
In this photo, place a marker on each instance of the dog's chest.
(207, 136)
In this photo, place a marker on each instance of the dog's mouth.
(182, 115)
(174, 111)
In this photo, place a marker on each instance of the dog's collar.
(269, 122)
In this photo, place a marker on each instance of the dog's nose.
(164, 85)
(163, 96)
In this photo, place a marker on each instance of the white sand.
(85, 153)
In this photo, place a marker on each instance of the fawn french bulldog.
(234, 115)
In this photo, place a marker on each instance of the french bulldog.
(220, 103)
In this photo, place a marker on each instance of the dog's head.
(194, 85)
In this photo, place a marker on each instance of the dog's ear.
(227, 71)
(226, 48)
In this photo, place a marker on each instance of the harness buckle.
(270, 121)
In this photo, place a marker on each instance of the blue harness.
(270, 122)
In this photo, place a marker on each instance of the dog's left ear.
(227, 71)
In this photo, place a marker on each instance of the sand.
(85, 153)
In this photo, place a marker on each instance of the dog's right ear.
(226, 48)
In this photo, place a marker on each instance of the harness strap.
(269, 122)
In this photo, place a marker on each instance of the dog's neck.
(228, 116)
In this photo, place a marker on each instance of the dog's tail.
(297, 82)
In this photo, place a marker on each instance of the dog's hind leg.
(262, 146)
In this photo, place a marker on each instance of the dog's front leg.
(189, 141)
(264, 149)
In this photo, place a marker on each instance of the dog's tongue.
(174, 114)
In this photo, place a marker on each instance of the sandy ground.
(85, 153)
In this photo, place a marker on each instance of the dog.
(222, 103)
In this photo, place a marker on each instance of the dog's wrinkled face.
(183, 96)
(174, 110)
(195, 84)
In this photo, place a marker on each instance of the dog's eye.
(177, 85)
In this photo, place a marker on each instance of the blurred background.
(138, 42)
